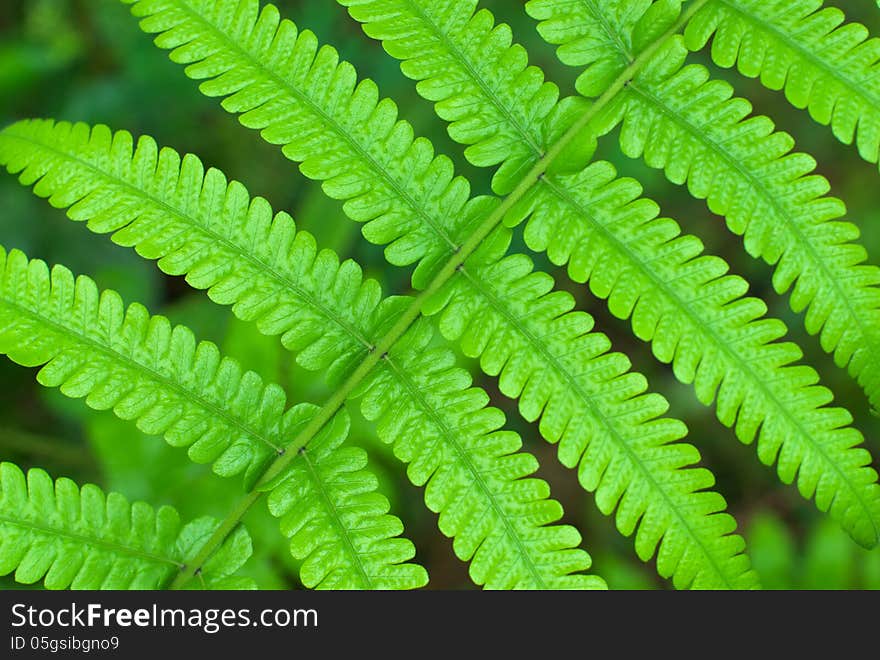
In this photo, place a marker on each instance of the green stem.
(409, 316)
(194, 566)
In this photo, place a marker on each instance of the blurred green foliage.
(86, 60)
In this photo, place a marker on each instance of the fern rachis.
(574, 442)
(556, 211)
(146, 370)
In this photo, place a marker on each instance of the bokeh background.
(86, 60)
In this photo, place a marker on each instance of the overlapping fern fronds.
(683, 301)
(501, 312)
(681, 121)
(197, 224)
(806, 49)
(146, 370)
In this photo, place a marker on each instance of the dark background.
(86, 60)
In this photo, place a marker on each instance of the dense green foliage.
(550, 191)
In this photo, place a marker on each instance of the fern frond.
(500, 516)
(597, 35)
(697, 548)
(302, 97)
(147, 370)
(688, 125)
(81, 538)
(416, 33)
(695, 316)
(588, 401)
(139, 366)
(824, 65)
(337, 522)
(197, 224)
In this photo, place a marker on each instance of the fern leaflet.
(81, 538)
(337, 522)
(544, 353)
(140, 366)
(768, 195)
(689, 126)
(804, 48)
(199, 225)
(595, 34)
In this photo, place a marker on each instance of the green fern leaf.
(598, 412)
(402, 207)
(499, 516)
(82, 538)
(300, 96)
(196, 223)
(681, 122)
(603, 38)
(337, 522)
(139, 366)
(272, 274)
(708, 555)
(693, 313)
(697, 319)
(544, 353)
(424, 54)
(594, 34)
(823, 64)
(146, 370)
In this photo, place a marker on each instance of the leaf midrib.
(549, 181)
(838, 74)
(471, 71)
(465, 458)
(614, 36)
(82, 539)
(126, 362)
(315, 108)
(336, 520)
(447, 271)
(540, 347)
